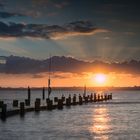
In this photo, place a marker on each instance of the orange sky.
(67, 80)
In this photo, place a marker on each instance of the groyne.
(20, 108)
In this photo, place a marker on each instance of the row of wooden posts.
(50, 104)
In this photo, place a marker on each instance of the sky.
(86, 30)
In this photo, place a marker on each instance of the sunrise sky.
(95, 36)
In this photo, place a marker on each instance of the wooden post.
(27, 102)
(70, 98)
(1, 104)
(63, 98)
(74, 99)
(37, 104)
(86, 99)
(15, 103)
(98, 98)
(110, 96)
(95, 98)
(29, 95)
(105, 97)
(55, 99)
(91, 97)
(68, 102)
(80, 100)
(102, 98)
(4, 112)
(49, 104)
(22, 109)
(60, 104)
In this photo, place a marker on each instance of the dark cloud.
(62, 4)
(22, 65)
(49, 32)
(37, 76)
(8, 15)
(1, 5)
(60, 76)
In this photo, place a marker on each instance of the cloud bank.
(49, 31)
(8, 15)
(23, 65)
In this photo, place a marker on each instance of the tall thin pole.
(49, 79)
(29, 94)
(43, 93)
(85, 90)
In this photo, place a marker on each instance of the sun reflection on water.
(100, 123)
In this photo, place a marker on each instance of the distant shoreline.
(74, 88)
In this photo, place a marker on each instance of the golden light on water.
(100, 122)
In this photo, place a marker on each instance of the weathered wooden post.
(29, 96)
(43, 93)
(27, 102)
(22, 109)
(3, 112)
(63, 98)
(55, 99)
(68, 101)
(29, 93)
(86, 99)
(15, 103)
(74, 99)
(95, 98)
(105, 97)
(1, 104)
(80, 100)
(98, 99)
(91, 97)
(102, 98)
(60, 104)
(49, 104)
(110, 96)
(37, 104)
(70, 98)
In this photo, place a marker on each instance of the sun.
(100, 78)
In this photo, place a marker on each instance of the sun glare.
(100, 78)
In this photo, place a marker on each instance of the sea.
(118, 119)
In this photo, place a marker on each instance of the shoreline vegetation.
(74, 88)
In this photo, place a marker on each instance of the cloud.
(130, 33)
(1, 5)
(37, 76)
(40, 2)
(8, 15)
(51, 14)
(56, 75)
(49, 31)
(33, 13)
(63, 35)
(61, 5)
(23, 65)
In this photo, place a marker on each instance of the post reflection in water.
(100, 124)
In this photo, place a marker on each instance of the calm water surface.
(87, 122)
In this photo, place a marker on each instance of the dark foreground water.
(113, 121)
